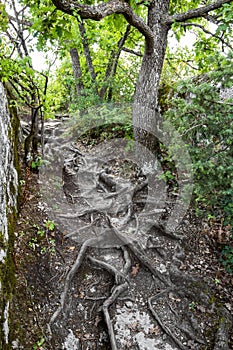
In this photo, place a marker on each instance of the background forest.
(87, 63)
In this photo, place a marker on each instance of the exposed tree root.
(162, 325)
(222, 335)
(113, 297)
(120, 205)
(127, 265)
(73, 270)
(83, 228)
(118, 275)
(191, 335)
(141, 256)
(94, 298)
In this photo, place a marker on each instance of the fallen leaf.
(133, 326)
(81, 295)
(87, 336)
(135, 270)
(183, 267)
(98, 319)
(172, 297)
(201, 308)
(154, 330)
(72, 248)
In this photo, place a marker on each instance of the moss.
(164, 95)
(7, 276)
(2, 241)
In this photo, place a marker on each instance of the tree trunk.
(77, 71)
(31, 141)
(112, 66)
(146, 119)
(87, 52)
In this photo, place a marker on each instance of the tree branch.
(23, 21)
(196, 13)
(207, 32)
(133, 52)
(212, 19)
(103, 10)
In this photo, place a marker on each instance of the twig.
(139, 54)
(187, 24)
(155, 211)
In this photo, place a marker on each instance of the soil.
(170, 293)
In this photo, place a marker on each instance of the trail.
(118, 278)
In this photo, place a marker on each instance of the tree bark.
(87, 52)
(146, 119)
(74, 55)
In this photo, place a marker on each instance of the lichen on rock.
(8, 209)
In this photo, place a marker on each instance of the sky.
(39, 58)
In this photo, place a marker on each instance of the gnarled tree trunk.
(146, 118)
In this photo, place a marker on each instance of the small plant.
(167, 176)
(38, 345)
(52, 246)
(227, 258)
(43, 250)
(41, 232)
(37, 163)
(33, 243)
(192, 305)
(50, 225)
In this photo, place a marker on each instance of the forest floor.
(77, 291)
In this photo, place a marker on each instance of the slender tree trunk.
(31, 141)
(146, 118)
(112, 65)
(74, 55)
(87, 52)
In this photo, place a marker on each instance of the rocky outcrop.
(9, 126)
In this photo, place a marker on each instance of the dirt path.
(107, 276)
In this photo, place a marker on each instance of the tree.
(160, 18)
(95, 49)
(16, 69)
